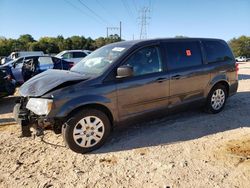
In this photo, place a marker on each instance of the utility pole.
(143, 21)
(115, 30)
(120, 30)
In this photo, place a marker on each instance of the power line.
(106, 10)
(76, 7)
(80, 10)
(93, 12)
(127, 8)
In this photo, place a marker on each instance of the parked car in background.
(7, 83)
(73, 55)
(241, 59)
(127, 81)
(24, 68)
(15, 55)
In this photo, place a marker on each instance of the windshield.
(99, 60)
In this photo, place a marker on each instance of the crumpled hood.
(48, 80)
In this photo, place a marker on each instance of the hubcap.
(218, 99)
(88, 131)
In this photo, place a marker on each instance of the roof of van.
(134, 42)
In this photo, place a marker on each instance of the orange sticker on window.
(188, 52)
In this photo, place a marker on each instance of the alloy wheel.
(88, 131)
(218, 99)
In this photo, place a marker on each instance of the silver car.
(73, 55)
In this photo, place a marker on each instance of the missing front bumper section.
(28, 120)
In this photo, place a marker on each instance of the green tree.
(4, 47)
(48, 45)
(52, 44)
(25, 41)
(240, 46)
(34, 46)
(26, 38)
(60, 42)
(99, 42)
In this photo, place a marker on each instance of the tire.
(86, 131)
(216, 99)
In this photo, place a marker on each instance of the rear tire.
(86, 131)
(216, 99)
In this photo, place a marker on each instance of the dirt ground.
(190, 149)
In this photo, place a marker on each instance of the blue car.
(23, 68)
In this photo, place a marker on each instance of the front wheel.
(86, 131)
(216, 99)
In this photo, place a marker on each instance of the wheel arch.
(95, 106)
(221, 79)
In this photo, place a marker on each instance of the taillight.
(236, 68)
(71, 65)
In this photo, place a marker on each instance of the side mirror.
(124, 71)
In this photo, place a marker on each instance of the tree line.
(240, 46)
(52, 45)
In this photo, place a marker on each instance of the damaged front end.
(32, 113)
(37, 100)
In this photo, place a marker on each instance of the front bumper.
(233, 88)
(26, 119)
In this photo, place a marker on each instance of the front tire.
(86, 131)
(216, 99)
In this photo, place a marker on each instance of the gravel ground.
(190, 149)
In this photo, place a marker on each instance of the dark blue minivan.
(125, 82)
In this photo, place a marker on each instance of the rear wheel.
(86, 131)
(216, 99)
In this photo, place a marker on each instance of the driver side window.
(145, 61)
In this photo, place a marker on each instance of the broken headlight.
(39, 106)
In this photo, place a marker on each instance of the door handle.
(159, 80)
(176, 77)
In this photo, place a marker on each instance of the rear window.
(183, 54)
(217, 51)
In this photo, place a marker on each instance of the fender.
(75, 103)
(214, 81)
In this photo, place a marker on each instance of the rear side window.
(217, 51)
(183, 54)
(78, 54)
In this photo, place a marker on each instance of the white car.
(73, 55)
(241, 59)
